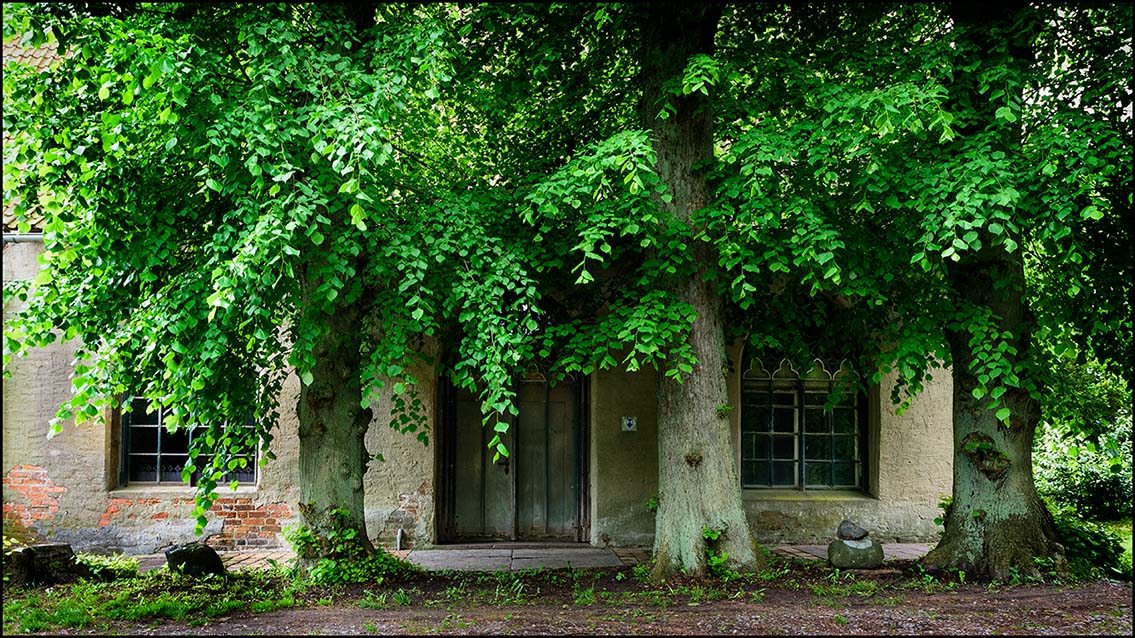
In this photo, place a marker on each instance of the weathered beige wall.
(400, 490)
(66, 486)
(909, 469)
(623, 465)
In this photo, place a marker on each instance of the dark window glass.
(156, 455)
(790, 439)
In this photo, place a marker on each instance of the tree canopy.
(233, 192)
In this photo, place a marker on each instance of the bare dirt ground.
(800, 600)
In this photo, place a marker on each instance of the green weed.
(584, 597)
(374, 601)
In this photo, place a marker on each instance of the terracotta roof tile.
(40, 57)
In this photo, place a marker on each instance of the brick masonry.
(33, 501)
(39, 495)
(247, 525)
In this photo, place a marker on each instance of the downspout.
(11, 238)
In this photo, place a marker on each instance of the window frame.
(126, 426)
(817, 382)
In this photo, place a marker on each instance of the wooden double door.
(535, 494)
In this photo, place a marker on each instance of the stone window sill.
(175, 491)
(809, 496)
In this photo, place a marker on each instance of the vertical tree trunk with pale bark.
(699, 486)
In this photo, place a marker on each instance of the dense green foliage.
(1091, 546)
(1095, 479)
(158, 594)
(339, 557)
(220, 182)
(1083, 456)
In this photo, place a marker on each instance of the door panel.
(483, 502)
(536, 495)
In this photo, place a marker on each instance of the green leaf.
(357, 215)
(1002, 414)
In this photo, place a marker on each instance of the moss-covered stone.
(852, 554)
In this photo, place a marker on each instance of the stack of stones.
(853, 550)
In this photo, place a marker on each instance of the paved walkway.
(521, 556)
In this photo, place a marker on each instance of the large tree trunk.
(332, 454)
(699, 487)
(996, 521)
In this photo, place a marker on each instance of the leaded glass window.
(802, 431)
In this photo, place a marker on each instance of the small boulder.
(43, 564)
(194, 559)
(855, 554)
(849, 531)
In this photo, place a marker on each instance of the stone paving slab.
(462, 559)
(521, 556)
(575, 552)
(891, 551)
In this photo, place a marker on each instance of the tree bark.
(996, 522)
(332, 425)
(699, 487)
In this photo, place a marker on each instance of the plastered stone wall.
(623, 464)
(400, 489)
(910, 468)
(66, 487)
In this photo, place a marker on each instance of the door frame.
(445, 463)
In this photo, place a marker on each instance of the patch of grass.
(772, 573)
(863, 588)
(402, 598)
(1122, 529)
(641, 572)
(456, 593)
(509, 592)
(157, 595)
(374, 601)
(40, 613)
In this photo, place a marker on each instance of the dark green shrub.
(1089, 546)
(342, 557)
(1095, 479)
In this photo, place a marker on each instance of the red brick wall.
(248, 526)
(40, 495)
(245, 525)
